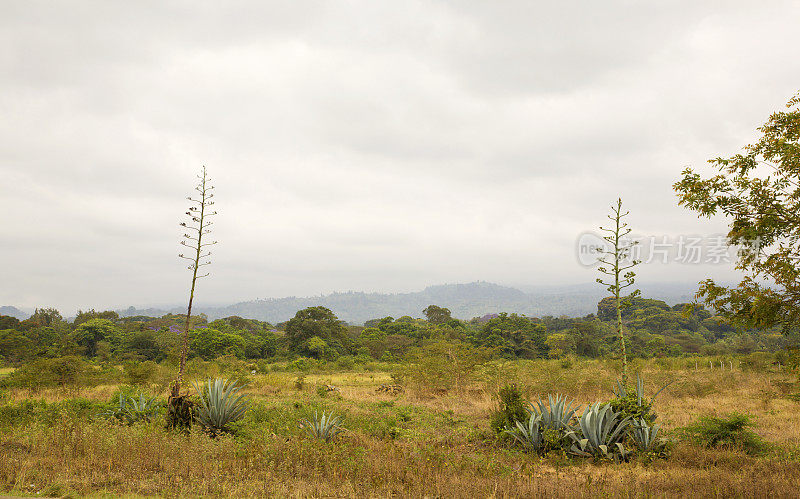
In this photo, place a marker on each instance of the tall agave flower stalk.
(617, 264)
(197, 227)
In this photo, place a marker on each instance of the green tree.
(46, 317)
(589, 338)
(210, 343)
(618, 267)
(436, 314)
(319, 322)
(560, 344)
(317, 346)
(144, 345)
(514, 336)
(8, 322)
(82, 316)
(92, 332)
(444, 365)
(607, 307)
(15, 346)
(759, 191)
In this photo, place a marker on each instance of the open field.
(414, 444)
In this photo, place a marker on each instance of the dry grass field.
(416, 444)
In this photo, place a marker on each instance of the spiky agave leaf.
(600, 432)
(118, 411)
(645, 435)
(324, 427)
(620, 391)
(557, 413)
(141, 409)
(528, 433)
(142, 404)
(132, 410)
(220, 404)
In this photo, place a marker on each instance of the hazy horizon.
(668, 291)
(363, 146)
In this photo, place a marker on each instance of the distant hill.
(14, 312)
(465, 301)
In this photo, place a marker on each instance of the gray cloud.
(361, 145)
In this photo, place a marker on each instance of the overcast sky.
(362, 145)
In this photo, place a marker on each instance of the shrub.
(345, 362)
(634, 404)
(442, 365)
(511, 408)
(140, 373)
(61, 371)
(28, 412)
(394, 432)
(630, 406)
(301, 364)
(732, 431)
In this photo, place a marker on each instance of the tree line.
(652, 329)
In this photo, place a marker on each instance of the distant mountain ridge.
(14, 312)
(465, 301)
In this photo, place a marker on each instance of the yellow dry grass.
(448, 451)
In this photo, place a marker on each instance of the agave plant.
(645, 435)
(556, 414)
(132, 410)
(324, 427)
(601, 432)
(220, 404)
(528, 433)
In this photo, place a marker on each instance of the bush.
(511, 408)
(28, 412)
(633, 403)
(301, 364)
(756, 361)
(732, 431)
(61, 371)
(140, 373)
(345, 362)
(442, 365)
(630, 406)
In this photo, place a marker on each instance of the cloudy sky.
(362, 145)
